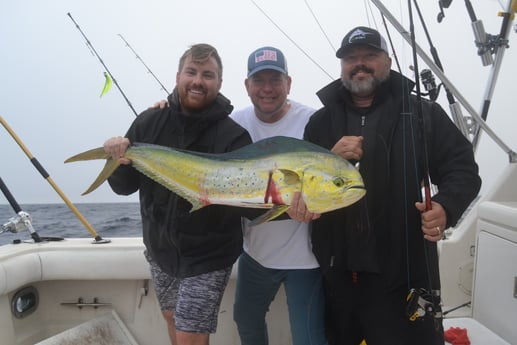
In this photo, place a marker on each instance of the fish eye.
(338, 182)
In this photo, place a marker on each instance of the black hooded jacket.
(185, 244)
(382, 232)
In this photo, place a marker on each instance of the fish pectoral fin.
(271, 214)
(196, 204)
(89, 155)
(290, 176)
(106, 172)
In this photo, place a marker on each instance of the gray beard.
(363, 87)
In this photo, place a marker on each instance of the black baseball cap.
(362, 35)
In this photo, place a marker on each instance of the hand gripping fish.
(265, 174)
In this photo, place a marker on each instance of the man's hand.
(433, 221)
(298, 211)
(117, 147)
(349, 147)
(160, 104)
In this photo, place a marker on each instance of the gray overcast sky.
(51, 81)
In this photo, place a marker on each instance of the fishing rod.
(430, 84)
(143, 63)
(88, 43)
(46, 176)
(420, 115)
(428, 295)
(22, 220)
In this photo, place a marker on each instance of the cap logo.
(358, 35)
(265, 55)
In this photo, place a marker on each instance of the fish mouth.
(357, 187)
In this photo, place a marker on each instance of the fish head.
(334, 183)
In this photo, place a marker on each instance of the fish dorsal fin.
(290, 177)
(271, 214)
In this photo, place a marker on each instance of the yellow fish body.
(265, 174)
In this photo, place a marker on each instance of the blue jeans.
(256, 289)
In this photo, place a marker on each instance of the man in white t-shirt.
(278, 251)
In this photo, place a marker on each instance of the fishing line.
(369, 13)
(365, 3)
(321, 27)
(143, 63)
(395, 56)
(88, 43)
(292, 41)
(46, 176)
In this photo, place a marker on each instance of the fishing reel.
(22, 221)
(443, 4)
(429, 82)
(422, 303)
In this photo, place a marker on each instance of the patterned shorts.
(195, 301)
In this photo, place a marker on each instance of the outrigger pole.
(103, 64)
(143, 63)
(488, 45)
(46, 176)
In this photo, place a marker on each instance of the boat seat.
(103, 330)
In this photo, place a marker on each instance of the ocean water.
(57, 220)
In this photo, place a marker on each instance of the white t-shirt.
(278, 244)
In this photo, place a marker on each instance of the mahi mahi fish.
(265, 174)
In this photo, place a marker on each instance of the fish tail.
(98, 153)
(89, 155)
(110, 166)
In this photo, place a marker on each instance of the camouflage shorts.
(195, 300)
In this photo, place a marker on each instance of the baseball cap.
(362, 35)
(266, 58)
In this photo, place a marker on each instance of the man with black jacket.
(190, 254)
(373, 253)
